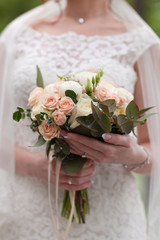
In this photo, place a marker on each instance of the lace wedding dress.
(116, 209)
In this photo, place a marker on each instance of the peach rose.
(66, 105)
(53, 87)
(49, 101)
(35, 96)
(120, 99)
(59, 117)
(49, 131)
(102, 94)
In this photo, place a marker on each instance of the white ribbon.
(72, 200)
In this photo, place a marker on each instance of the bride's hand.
(36, 165)
(122, 149)
(76, 181)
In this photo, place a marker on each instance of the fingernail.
(106, 136)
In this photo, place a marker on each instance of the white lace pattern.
(116, 209)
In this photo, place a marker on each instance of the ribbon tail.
(58, 167)
(71, 215)
(75, 212)
(57, 233)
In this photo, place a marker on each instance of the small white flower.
(37, 109)
(83, 77)
(107, 85)
(83, 108)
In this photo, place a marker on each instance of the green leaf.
(72, 95)
(132, 111)
(73, 163)
(93, 82)
(23, 115)
(40, 141)
(38, 118)
(64, 147)
(50, 120)
(39, 78)
(145, 110)
(143, 119)
(88, 87)
(57, 148)
(101, 118)
(98, 76)
(49, 145)
(125, 124)
(17, 116)
(90, 123)
(20, 109)
(60, 77)
(108, 106)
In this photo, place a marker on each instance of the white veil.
(149, 72)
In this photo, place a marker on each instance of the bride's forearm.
(24, 161)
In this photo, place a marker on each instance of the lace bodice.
(116, 210)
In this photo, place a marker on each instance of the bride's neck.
(86, 8)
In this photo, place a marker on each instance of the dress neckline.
(80, 35)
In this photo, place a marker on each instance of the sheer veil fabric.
(149, 71)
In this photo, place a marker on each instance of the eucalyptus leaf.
(66, 149)
(108, 106)
(132, 111)
(57, 148)
(101, 118)
(145, 110)
(49, 146)
(39, 78)
(125, 124)
(73, 163)
(143, 119)
(90, 123)
(40, 141)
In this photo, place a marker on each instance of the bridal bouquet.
(84, 103)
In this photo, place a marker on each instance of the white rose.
(50, 88)
(107, 85)
(37, 109)
(83, 108)
(126, 94)
(83, 77)
(70, 85)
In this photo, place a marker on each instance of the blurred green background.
(148, 9)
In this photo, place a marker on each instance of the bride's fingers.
(82, 173)
(88, 164)
(90, 153)
(75, 180)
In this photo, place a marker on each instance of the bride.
(87, 34)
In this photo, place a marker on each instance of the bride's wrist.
(144, 165)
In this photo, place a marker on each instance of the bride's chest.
(71, 53)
